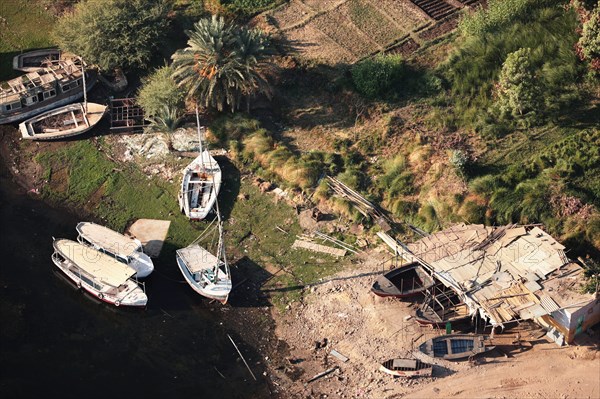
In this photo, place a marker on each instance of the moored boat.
(455, 346)
(200, 184)
(69, 120)
(403, 282)
(35, 92)
(207, 274)
(125, 249)
(406, 368)
(99, 274)
(35, 60)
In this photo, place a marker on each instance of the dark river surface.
(57, 342)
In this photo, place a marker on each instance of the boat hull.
(419, 370)
(30, 112)
(207, 291)
(32, 61)
(205, 193)
(136, 298)
(403, 282)
(94, 115)
(455, 346)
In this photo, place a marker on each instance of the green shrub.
(249, 7)
(160, 94)
(114, 33)
(378, 77)
(589, 42)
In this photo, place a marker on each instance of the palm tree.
(222, 64)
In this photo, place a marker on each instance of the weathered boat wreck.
(403, 282)
(36, 60)
(31, 94)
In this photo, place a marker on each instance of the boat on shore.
(208, 274)
(35, 60)
(99, 274)
(69, 120)
(125, 249)
(455, 346)
(200, 183)
(438, 317)
(33, 93)
(403, 282)
(401, 367)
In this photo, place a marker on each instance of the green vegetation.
(223, 64)
(114, 33)
(23, 28)
(379, 77)
(248, 7)
(589, 42)
(162, 100)
(473, 69)
(498, 14)
(518, 89)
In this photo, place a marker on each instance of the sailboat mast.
(198, 128)
(84, 87)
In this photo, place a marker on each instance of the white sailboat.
(208, 274)
(200, 184)
(99, 274)
(68, 120)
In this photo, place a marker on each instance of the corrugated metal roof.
(549, 304)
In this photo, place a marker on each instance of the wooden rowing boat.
(69, 120)
(403, 282)
(455, 346)
(406, 368)
(35, 60)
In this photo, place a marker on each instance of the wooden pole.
(239, 353)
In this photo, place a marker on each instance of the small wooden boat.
(69, 120)
(99, 274)
(438, 316)
(207, 274)
(403, 282)
(35, 60)
(455, 346)
(200, 184)
(125, 249)
(406, 368)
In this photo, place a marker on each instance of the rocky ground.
(342, 314)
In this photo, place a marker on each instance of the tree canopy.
(223, 64)
(114, 33)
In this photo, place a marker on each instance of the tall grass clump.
(498, 14)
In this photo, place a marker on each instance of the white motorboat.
(200, 184)
(99, 274)
(125, 249)
(207, 274)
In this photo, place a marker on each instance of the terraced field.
(335, 31)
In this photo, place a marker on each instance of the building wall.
(583, 318)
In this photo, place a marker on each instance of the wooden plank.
(311, 246)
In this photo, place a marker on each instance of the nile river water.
(57, 342)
